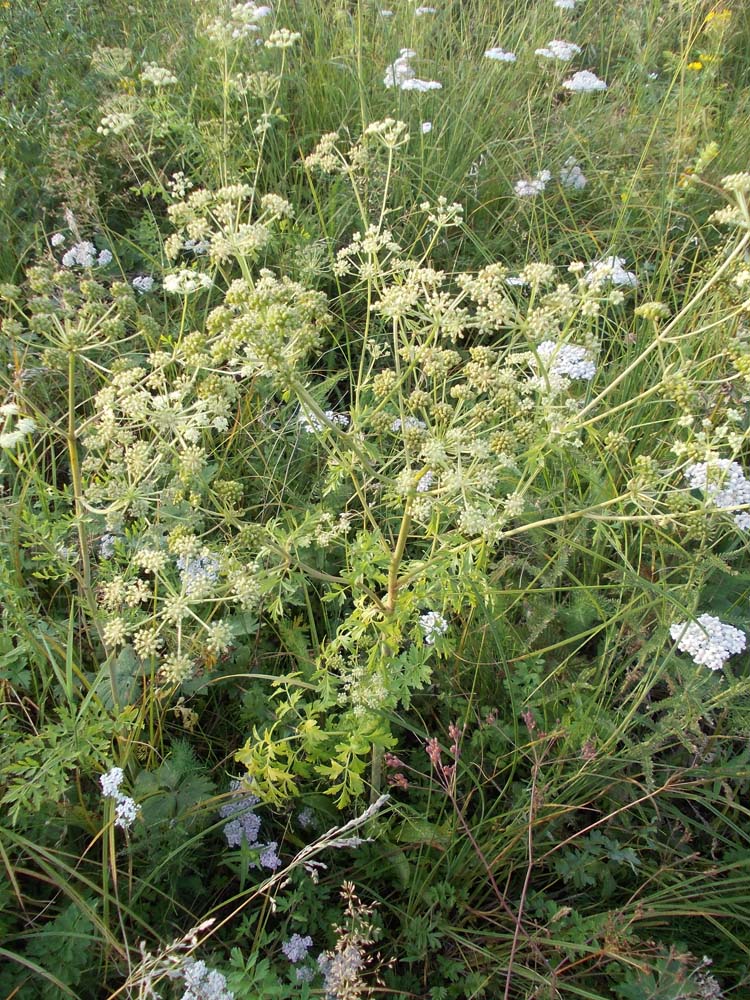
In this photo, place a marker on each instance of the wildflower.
(401, 74)
(708, 640)
(269, 858)
(57, 240)
(24, 427)
(565, 4)
(143, 283)
(282, 38)
(311, 424)
(186, 282)
(116, 123)
(571, 175)
(80, 255)
(500, 55)
(297, 947)
(176, 668)
(695, 65)
(126, 812)
(724, 484)
(157, 76)
(420, 11)
(425, 482)
(198, 574)
(385, 13)
(531, 188)
(203, 983)
(612, 270)
(584, 82)
(566, 360)
(104, 258)
(410, 423)
(426, 128)
(111, 782)
(219, 638)
(433, 625)
(558, 49)
(107, 546)
(243, 825)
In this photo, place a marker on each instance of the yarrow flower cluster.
(116, 123)
(571, 175)
(202, 983)
(567, 360)
(530, 188)
(143, 283)
(433, 625)
(85, 254)
(126, 811)
(401, 74)
(724, 484)
(243, 826)
(310, 424)
(500, 55)
(23, 427)
(708, 641)
(185, 282)
(198, 573)
(558, 49)
(158, 76)
(610, 270)
(297, 947)
(584, 82)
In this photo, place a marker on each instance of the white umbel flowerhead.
(530, 188)
(185, 282)
(567, 360)
(500, 55)
(611, 270)
(558, 49)
(724, 484)
(584, 82)
(571, 175)
(111, 782)
(433, 625)
(708, 641)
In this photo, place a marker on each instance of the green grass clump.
(374, 501)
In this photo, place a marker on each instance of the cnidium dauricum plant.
(452, 436)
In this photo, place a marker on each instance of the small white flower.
(426, 128)
(567, 360)
(433, 625)
(385, 13)
(584, 82)
(708, 640)
(565, 4)
(81, 254)
(143, 283)
(158, 76)
(126, 812)
(105, 257)
(500, 55)
(571, 175)
(558, 49)
(111, 782)
(57, 240)
(186, 282)
(610, 270)
(529, 188)
(725, 485)
(420, 11)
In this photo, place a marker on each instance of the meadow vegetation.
(374, 500)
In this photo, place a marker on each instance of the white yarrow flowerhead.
(565, 4)
(584, 82)
(158, 76)
(185, 282)
(401, 74)
(708, 641)
(610, 270)
(111, 782)
(529, 188)
(57, 240)
(724, 484)
(500, 55)
(426, 128)
(421, 11)
(558, 49)
(143, 283)
(567, 360)
(385, 13)
(433, 625)
(571, 175)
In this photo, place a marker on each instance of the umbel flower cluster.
(708, 641)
